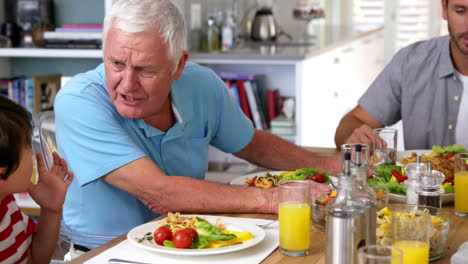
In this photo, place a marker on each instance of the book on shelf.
(61, 29)
(272, 104)
(254, 106)
(73, 43)
(283, 126)
(244, 104)
(72, 35)
(36, 93)
(82, 26)
(250, 93)
(235, 76)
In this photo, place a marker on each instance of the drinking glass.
(384, 141)
(411, 233)
(461, 186)
(294, 217)
(374, 254)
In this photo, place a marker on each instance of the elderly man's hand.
(362, 135)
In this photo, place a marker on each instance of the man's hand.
(361, 135)
(52, 187)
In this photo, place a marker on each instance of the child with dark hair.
(21, 239)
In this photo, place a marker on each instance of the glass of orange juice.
(461, 184)
(294, 217)
(380, 254)
(411, 234)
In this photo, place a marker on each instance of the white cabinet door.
(323, 101)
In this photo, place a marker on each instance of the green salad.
(393, 177)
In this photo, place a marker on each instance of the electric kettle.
(264, 26)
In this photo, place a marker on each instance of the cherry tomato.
(192, 232)
(161, 234)
(320, 178)
(182, 239)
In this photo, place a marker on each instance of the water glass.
(461, 186)
(294, 217)
(384, 141)
(411, 234)
(374, 254)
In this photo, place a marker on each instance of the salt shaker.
(429, 192)
(413, 170)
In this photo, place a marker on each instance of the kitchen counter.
(285, 51)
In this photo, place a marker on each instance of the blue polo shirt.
(95, 140)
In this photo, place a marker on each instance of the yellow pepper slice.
(241, 237)
(287, 173)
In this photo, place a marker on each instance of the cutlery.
(267, 224)
(123, 261)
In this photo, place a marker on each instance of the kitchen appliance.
(264, 25)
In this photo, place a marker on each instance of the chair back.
(48, 145)
(47, 140)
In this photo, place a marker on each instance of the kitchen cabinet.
(326, 79)
(335, 81)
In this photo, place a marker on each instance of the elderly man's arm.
(162, 193)
(356, 127)
(270, 151)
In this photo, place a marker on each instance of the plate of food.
(393, 176)
(269, 179)
(192, 235)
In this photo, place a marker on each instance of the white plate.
(240, 180)
(257, 232)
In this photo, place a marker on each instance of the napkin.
(461, 255)
(255, 254)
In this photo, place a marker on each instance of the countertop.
(324, 39)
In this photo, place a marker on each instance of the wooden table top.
(457, 236)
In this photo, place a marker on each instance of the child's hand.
(52, 187)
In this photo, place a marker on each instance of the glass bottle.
(212, 38)
(364, 193)
(228, 32)
(345, 219)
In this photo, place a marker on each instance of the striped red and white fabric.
(16, 231)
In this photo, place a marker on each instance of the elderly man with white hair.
(136, 130)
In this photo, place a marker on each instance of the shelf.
(51, 53)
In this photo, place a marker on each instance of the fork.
(266, 225)
(124, 261)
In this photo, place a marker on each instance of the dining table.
(458, 234)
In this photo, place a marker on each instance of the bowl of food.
(319, 208)
(439, 228)
(382, 194)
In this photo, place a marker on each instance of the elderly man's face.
(456, 13)
(139, 73)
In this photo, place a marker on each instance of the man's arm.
(270, 151)
(162, 193)
(356, 127)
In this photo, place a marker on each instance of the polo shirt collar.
(182, 112)
(446, 67)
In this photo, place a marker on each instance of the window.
(406, 21)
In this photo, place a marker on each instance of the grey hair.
(160, 16)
